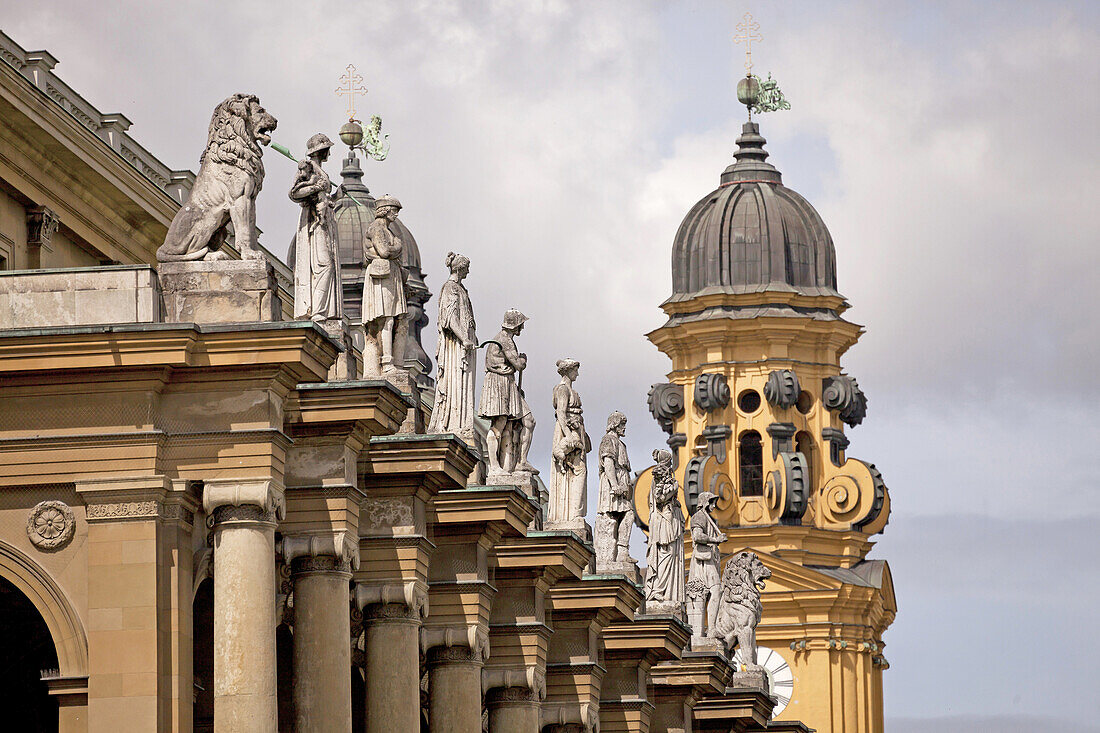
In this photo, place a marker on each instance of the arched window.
(804, 444)
(750, 454)
(28, 654)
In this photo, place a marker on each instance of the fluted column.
(245, 515)
(320, 566)
(391, 625)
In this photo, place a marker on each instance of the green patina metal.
(375, 144)
(282, 149)
(768, 97)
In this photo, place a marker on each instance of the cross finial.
(351, 84)
(747, 32)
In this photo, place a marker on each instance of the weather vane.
(756, 94)
(351, 84)
(371, 141)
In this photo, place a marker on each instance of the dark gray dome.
(752, 234)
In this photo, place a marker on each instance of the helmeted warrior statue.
(231, 173)
(569, 477)
(615, 510)
(455, 355)
(502, 403)
(383, 288)
(664, 580)
(317, 292)
(703, 572)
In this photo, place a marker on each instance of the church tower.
(755, 407)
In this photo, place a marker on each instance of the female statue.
(706, 558)
(569, 479)
(455, 355)
(664, 580)
(317, 293)
(383, 285)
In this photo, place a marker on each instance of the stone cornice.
(301, 351)
(434, 462)
(608, 598)
(652, 638)
(151, 497)
(737, 708)
(698, 302)
(374, 407)
(699, 671)
(505, 506)
(554, 555)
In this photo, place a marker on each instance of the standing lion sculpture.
(231, 173)
(739, 606)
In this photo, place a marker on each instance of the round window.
(805, 402)
(749, 401)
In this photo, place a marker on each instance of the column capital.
(585, 715)
(510, 683)
(306, 546)
(451, 642)
(411, 595)
(265, 494)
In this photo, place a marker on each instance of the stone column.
(245, 516)
(391, 625)
(454, 689)
(513, 710)
(320, 567)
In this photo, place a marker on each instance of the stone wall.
(79, 296)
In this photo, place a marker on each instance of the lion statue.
(739, 605)
(231, 173)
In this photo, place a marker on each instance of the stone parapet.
(81, 296)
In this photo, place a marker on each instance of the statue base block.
(338, 330)
(405, 382)
(578, 526)
(708, 644)
(220, 291)
(754, 677)
(523, 480)
(665, 608)
(629, 568)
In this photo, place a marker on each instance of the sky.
(559, 144)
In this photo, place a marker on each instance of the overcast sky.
(950, 147)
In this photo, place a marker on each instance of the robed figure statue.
(455, 355)
(317, 293)
(570, 447)
(664, 580)
(383, 288)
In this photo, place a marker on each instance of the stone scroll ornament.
(739, 607)
(50, 525)
(456, 355)
(570, 448)
(615, 510)
(666, 404)
(842, 395)
(664, 581)
(782, 389)
(712, 392)
(317, 291)
(231, 173)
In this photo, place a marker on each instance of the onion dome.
(752, 234)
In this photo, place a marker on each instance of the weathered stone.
(219, 291)
(740, 609)
(616, 499)
(384, 305)
(317, 292)
(664, 586)
(502, 402)
(79, 297)
(456, 356)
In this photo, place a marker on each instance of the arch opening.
(28, 655)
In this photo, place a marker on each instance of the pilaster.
(630, 651)
(139, 598)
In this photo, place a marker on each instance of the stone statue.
(317, 292)
(571, 446)
(383, 287)
(739, 608)
(455, 355)
(703, 572)
(616, 500)
(664, 581)
(231, 173)
(502, 402)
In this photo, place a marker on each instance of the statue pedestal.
(665, 608)
(339, 330)
(708, 644)
(405, 381)
(629, 568)
(523, 480)
(220, 291)
(577, 526)
(754, 677)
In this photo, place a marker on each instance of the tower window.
(805, 402)
(749, 401)
(751, 456)
(804, 444)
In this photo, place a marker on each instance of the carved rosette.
(50, 525)
(842, 395)
(782, 389)
(666, 404)
(712, 392)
